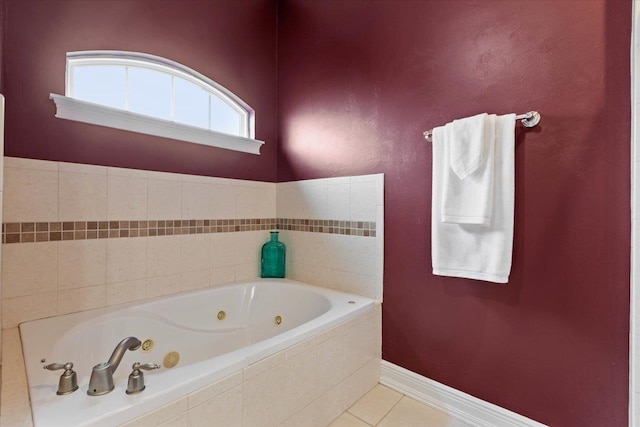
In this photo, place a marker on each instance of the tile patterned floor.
(383, 407)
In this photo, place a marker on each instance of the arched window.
(148, 94)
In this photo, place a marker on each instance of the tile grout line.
(391, 409)
(385, 414)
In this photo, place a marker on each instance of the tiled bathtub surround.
(78, 272)
(309, 384)
(351, 263)
(47, 278)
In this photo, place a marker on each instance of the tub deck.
(235, 369)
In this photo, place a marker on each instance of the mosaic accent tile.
(27, 232)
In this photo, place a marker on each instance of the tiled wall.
(78, 237)
(59, 275)
(347, 262)
(307, 385)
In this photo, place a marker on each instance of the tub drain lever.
(136, 378)
(68, 380)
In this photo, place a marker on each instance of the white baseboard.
(459, 405)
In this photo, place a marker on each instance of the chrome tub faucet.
(101, 381)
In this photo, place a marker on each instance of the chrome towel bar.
(529, 120)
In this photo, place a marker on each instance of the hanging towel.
(468, 181)
(470, 250)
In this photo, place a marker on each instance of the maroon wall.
(231, 41)
(358, 83)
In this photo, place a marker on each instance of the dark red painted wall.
(358, 83)
(231, 41)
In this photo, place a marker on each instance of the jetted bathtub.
(215, 332)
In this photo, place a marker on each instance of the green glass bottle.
(273, 256)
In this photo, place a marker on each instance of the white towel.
(468, 250)
(468, 182)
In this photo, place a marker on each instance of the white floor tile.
(348, 420)
(410, 413)
(373, 406)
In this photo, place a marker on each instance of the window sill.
(87, 112)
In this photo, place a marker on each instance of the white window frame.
(67, 107)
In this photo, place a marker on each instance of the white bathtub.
(210, 349)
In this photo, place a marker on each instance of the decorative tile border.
(353, 228)
(28, 232)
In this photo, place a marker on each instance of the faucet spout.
(129, 343)
(101, 381)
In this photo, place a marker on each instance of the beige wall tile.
(262, 365)
(222, 275)
(249, 246)
(126, 259)
(129, 291)
(160, 415)
(126, 197)
(82, 168)
(330, 357)
(181, 420)
(196, 200)
(82, 263)
(163, 255)
(22, 309)
(301, 376)
(354, 283)
(19, 257)
(164, 199)
(246, 202)
(82, 197)
(192, 280)
(223, 202)
(313, 199)
(74, 300)
(283, 199)
(307, 417)
(262, 398)
(360, 382)
(363, 201)
(30, 195)
(165, 176)
(330, 405)
(223, 249)
(163, 285)
(266, 200)
(29, 269)
(339, 201)
(28, 282)
(23, 163)
(209, 392)
(127, 173)
(195, 252)
(223, 410)
(199, 179)
(246, 271)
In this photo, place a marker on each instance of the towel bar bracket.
(532, 119)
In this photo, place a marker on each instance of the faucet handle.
(56, 366)
(146, 366)
(68, 380)
(136, 378)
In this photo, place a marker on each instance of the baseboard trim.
(460, 405)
